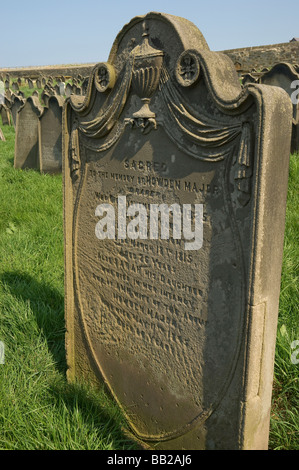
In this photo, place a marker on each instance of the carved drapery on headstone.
(183, 337)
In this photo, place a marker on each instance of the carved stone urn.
(146, 74)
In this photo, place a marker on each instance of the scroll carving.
(75, 161)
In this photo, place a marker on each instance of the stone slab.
(176, 313)
(50, 136)
(26, 144)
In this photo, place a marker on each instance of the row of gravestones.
(38, 142)
(285, 76)
(10, 104)
(76, 85)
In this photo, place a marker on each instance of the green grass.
(285, 408)
(38, 408)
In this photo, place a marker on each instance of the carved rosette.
(187, 69)
(105, 77)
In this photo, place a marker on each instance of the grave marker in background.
(285, 76)
(5, 115)
(50, 136)
(26, 144)
(17, 103)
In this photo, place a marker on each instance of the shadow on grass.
(47, 304)
(98, 411)
(102, 419)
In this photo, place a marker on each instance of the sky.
(74, 32)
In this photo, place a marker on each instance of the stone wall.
(68, 71)
(259, 57)
(245, 59)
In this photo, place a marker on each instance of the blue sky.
(64, 31)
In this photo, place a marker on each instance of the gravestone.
(2, 92)
(17, 103)
(15, 86)
(175, 182)
(62, 89)
(68, 89)
(2, 135)
(45, 97)
(30, 83)
(50, 136)
(5, 115)
(85, 85)
(26, 145)
(8, 93)
(248, 78)
(285, 76)
(39, 83)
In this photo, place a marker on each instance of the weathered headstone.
(2, 135)
(285, 76)
(85, 85)
(38, 83)
(45, 97)
(17, 103)
(15, 86)
(30, 83)
(2, 92)
(62, 89)
(8, 93)
(248, 78)
(50, 136)
(5, 115)
(26, 144)
(68, 89)
(175, 183)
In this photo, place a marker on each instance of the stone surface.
(68, 89)
(62, 89)
(26, 146)
(181, 328)
(17, 103)
(286, 77)
(30, 83)
(50, 136)
(5, 115)
(2, 92)
(260, 57)
(2, 135)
